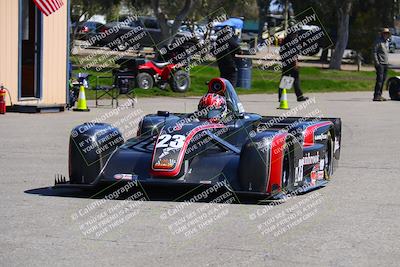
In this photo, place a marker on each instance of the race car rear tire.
(328, 159)
(285, 181)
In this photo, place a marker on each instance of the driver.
(212, 107)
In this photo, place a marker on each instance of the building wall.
(9, 47)
(54, 69)
(55, 56)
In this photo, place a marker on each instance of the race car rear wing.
(272, 121)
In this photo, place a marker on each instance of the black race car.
(252, 154)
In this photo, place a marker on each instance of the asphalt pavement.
(354, 221)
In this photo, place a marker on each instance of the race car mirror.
(217, 86)
(286, 82)
(163, 113)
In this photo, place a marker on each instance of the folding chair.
(105, 90)
(125, 85)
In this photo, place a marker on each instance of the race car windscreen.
(235, 105)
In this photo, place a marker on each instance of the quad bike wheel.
(180, 81)
(145, 80)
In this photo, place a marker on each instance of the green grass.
(312, 80)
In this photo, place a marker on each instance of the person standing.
(380, 53)
(226, 48)
(290, 67)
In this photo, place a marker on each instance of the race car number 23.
(173, 141)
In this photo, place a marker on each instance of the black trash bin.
(244, 66)
(393, 86)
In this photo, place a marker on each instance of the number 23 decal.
(174, 141)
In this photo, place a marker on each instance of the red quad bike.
(159, 74)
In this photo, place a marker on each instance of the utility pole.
(395, 14)
(286, 15)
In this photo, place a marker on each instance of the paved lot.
(352, 221)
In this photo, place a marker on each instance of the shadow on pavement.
(153, 193)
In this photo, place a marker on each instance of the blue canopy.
(232, 22)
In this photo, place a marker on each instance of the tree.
(343, 10)
(366, 20)
(169, 30)
(180, 11)
(81, 9)
(263, 9)
(87, 8)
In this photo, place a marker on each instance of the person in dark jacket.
(380, 52)
(289, 55)
(226, 48)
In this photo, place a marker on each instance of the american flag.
(48, 6)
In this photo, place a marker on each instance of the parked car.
(198, 30)
(394, 43)
(144, 32)
(88, 29)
